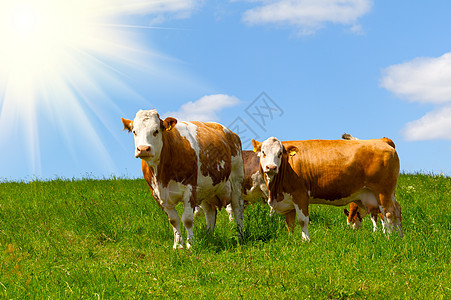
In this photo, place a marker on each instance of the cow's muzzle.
(271, 169)
(142, 151)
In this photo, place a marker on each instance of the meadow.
(96, 239)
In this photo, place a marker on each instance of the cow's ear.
(168, 123)
(291, 150)
(257, 146)
(128, 124)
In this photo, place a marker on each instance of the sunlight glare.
(59, 51)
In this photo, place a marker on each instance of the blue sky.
(369, 68)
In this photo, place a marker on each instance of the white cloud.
(308, 15)
(426, 79)
(205, 108)
(434, 125)
(159, 8)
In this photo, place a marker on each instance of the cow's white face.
(147, 133)
(270, 153)
(148, 130)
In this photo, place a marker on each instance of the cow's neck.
(178, 161)
(280, 182)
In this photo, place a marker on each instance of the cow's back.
(334, 169)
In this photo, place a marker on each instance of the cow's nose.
(271, 168)
(142, 151)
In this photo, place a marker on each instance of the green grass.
(108, 239)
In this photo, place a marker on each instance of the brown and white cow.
(334, 172)
(196, 163)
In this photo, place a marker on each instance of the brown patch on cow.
(217, 148)
(178, 162)
(251, 162)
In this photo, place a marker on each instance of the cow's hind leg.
(210, 215)
(175, 222)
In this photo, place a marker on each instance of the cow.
(333, 172)
(195, 163)
(353, 216)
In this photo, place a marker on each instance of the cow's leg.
(303, 219)
(210, 216)
(229, 211)
(175, 222)
(188, 220)
(374, 220)
(237, 206)
(290, 219)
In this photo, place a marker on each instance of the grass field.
(108, 239)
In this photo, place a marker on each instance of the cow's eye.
(263, 152)
(134, 132)
(155, 133)
(280, 154)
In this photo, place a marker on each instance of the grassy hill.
(109, 239)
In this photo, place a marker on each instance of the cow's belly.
(207, 191)
(366, 196)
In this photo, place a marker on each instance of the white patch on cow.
(309, 193)
(374, 220)
(189, 131)
(221, 165)
(284, 206)
(258, 189)
(303, 220)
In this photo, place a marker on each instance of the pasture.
(95, 239)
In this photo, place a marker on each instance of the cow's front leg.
(188, 220)
(303, 218)
(175, 222)
(290, 219)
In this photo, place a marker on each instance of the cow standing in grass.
(353, 216)
(334, 172)
(196, 163)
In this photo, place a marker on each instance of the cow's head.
(148, 130)
(270, 153)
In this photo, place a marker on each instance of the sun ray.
(56, 58)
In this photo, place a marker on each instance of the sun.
(56, 57)
(23, 20)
